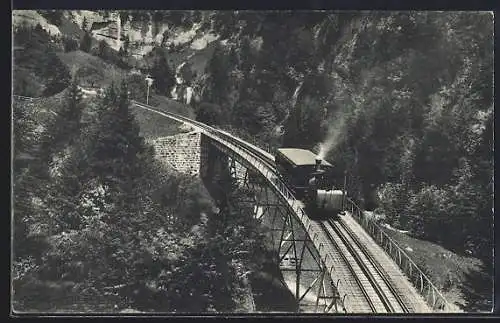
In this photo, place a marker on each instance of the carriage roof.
(301, 157)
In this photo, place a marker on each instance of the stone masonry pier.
(181, 152)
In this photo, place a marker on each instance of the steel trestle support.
(302, 268)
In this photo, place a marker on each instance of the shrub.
(70, 44)
(392, 200)
(211, 114)
(26, 83)
(426, 214)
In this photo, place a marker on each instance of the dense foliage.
(86, 42)
(406, 97)
(37, 69)
(96, 216)
(161, 73)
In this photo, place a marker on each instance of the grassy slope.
(154, 126)
(166, 104)
(41, 109)
(151, 125)
(451, 273)
(103, 72)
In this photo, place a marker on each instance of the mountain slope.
(91, 71)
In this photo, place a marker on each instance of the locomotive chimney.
(318, 164)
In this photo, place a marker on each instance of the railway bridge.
(334, 266)
(347, 265)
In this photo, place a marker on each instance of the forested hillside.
(99, 224)
(402, 101)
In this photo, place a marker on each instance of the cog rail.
(376, 275)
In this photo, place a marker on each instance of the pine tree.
(73, 111)
(55, 71)
(85, 24)
(101, 52)
(70, 44)
(115, 153)
(64, 127)
(163, 75)
(110, 154)
(67, 122)
(126, 44)
(86, 43)
(217, 68)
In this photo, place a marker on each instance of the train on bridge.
(310, 178)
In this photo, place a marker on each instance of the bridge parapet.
(427, 289)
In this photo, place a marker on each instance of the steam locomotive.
(310, 179)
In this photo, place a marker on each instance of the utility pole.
(149, 82)
(344, 193)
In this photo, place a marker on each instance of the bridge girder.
(303, 271)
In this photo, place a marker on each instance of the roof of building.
(301, 157)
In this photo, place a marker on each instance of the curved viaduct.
(347, 266)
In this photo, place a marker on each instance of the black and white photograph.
(234, 162)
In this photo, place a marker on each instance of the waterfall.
(119, 31)
(296, 93)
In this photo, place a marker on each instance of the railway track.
(353, 269)
(372, 279)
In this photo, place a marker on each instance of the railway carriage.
(310, 179)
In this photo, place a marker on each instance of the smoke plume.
(336, 131)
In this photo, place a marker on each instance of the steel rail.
(374, 229)
(364, 268)
(350, 267)
(375, 264)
